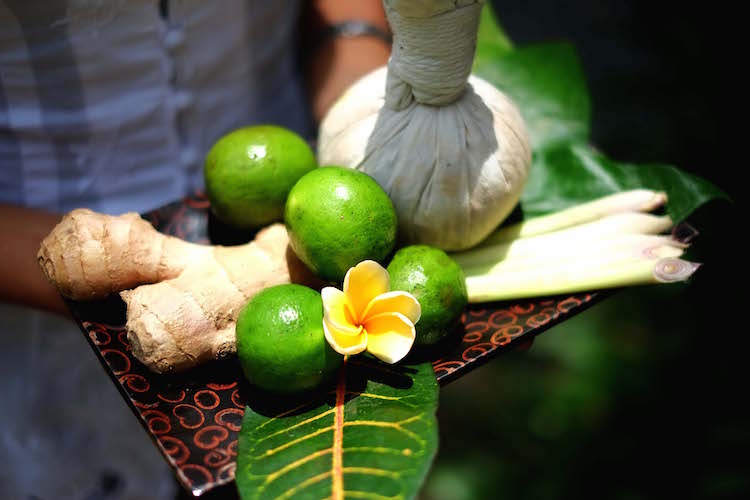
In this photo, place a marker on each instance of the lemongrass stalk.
(637, 200)
(623, 223)
(554, 279)
(548, 247)
(609, 251)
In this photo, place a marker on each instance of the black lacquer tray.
(194, 418)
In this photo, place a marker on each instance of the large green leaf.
(547, 84)
(492, 42)
(545, 81)
(374, 436)
(566, 174)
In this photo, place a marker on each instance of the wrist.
(352, 28)
(337, 64)
(343, 31)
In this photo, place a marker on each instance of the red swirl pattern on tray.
(495, 327)
(195, 418)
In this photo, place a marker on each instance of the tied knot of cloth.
(434, 42)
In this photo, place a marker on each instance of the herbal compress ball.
(450, 150)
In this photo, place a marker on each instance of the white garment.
(109, 105)
(65, 430)
(112, 105)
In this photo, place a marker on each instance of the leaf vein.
(295, 441)
(282, 415)
(271, 477)
(372, 471)
(369, 495)
(392, 425)
(298, 424)
(337, 459)
(304, 484)
(374, 449)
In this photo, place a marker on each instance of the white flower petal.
(390, 336)
(394, 302)
(364, 282)
(337, 310)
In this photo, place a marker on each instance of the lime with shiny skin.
(337, 217)
(280, 340)
(249, 172)
(437, 282)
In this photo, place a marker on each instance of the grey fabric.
(65, 431)
(107, 104)
(114, 107)
(59, 90)
(11, 173)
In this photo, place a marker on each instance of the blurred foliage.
(642, 395)
(634, 398)
(547, 84)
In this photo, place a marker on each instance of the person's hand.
(339, 63)
(21, 281)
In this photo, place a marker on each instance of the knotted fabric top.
(433, 50)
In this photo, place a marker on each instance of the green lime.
(249, 173)
(337, 217)
(439, 285)
(280, 340)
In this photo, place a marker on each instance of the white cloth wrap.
(433, 50)
(450, 150)
(453, 172)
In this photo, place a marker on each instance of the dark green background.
(640, 396)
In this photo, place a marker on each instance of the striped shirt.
(113, 104)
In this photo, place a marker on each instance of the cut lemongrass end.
(684, 232)
(673, 270)
(638, 200)
(555, 280)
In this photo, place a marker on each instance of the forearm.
(21, 281)
(337, 62)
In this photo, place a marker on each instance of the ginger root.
(182, 298)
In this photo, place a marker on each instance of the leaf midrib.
(338, 469)
(337, 476)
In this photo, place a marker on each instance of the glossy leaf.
(373, 436)
(567, 174)
(492, 42)
(547, 84)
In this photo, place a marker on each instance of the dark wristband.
(352, 29)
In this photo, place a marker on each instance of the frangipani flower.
(368, 316)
